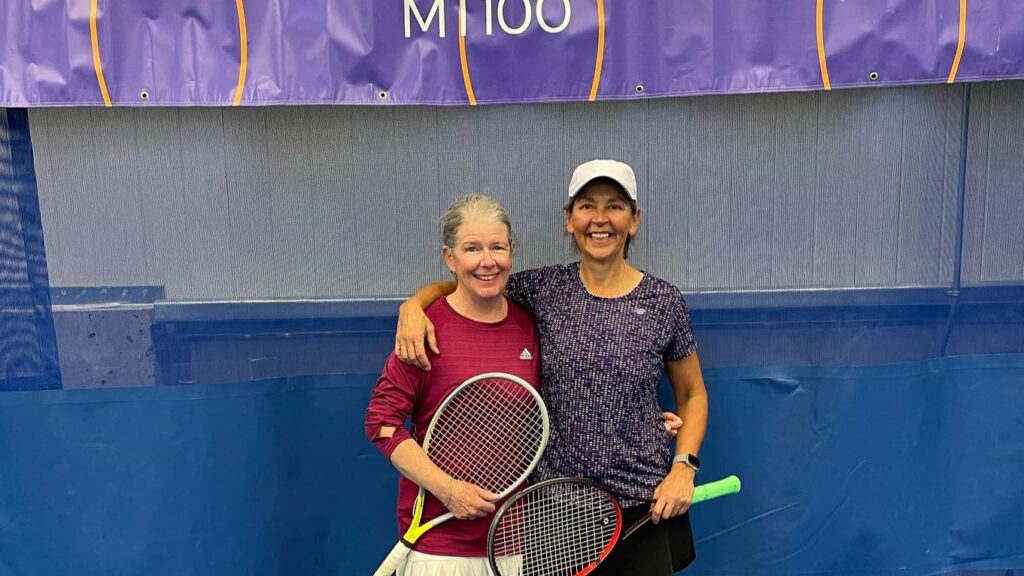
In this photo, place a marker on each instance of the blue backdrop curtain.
(28, 344)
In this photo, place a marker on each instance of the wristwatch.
(688, 459)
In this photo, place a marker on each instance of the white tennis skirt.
(419, 564)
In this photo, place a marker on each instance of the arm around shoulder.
(415, 331)
(429, 294)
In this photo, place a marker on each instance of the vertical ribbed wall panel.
(291, 199)
(376, 237)
(205, 214)
(57, 186)
(794, 189)
(837, 183)
(952, 136)
(994, 207)
(168, 221)
(412, 153)
(334, 218)
(394, 167)
(930, 156)
(876, 185)
(751, 194)
(87, 169)
(688, 185)
(803, 190)
(253, 238)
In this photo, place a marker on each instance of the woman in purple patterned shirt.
(608, 332)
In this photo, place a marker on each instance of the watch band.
(688, 459)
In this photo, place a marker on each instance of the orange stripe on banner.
(600, 51)
(96, 63)
(465, 64)
(962, 37)
(243, 40)
(819, 17)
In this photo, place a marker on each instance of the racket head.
(490, 431)
(559, 526)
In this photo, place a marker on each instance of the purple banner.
(260, 52)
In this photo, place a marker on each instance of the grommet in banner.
(144, 95)
(639, 89)
(873, 75)
(382, 95)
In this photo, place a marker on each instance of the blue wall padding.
(272, 477)
(900, 469)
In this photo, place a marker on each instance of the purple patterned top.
(601, 360)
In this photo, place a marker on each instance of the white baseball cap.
(620, 172)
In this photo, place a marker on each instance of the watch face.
(688, 459)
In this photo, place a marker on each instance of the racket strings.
(489, 434)
(558, 529)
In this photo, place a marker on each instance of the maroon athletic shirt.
(468, 348)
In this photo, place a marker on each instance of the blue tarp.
(900, 469)
(28, 343)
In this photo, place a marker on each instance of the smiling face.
(480, 259)
(601, 220)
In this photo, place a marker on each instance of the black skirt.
(654, 550)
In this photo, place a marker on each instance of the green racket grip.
(716, 489)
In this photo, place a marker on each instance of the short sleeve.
(682, 343)
(523, 287)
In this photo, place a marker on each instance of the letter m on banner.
(436, 11)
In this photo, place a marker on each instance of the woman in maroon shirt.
(481, 331)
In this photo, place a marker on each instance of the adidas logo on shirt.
(525, 355)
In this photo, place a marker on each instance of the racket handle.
(702, 493)
(395, 557)
(711, 490)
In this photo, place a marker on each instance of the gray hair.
(473, 207)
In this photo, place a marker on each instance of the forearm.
(430, 293)
(694, 412)
(462, 499)
(691, 403)
(413, 463)
(391, 402)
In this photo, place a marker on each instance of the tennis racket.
(491, 432)
(567, 527)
